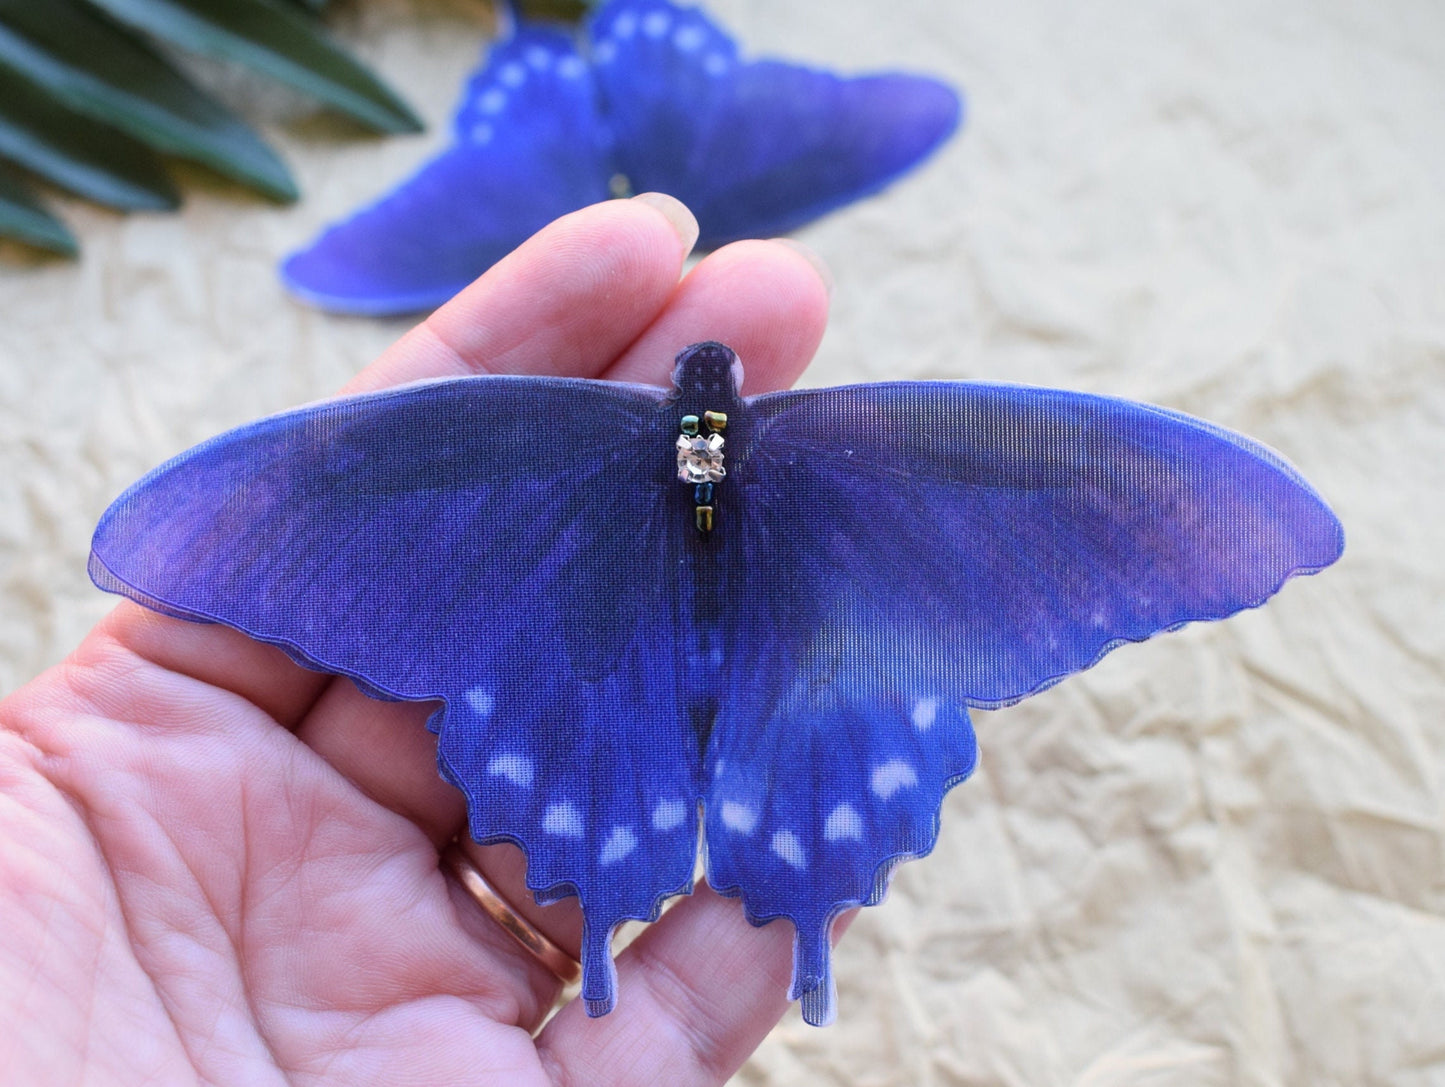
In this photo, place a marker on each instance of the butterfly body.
(791, 687)
(658, 99)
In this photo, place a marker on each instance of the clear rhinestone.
(700, 458)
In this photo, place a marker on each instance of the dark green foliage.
(567, 11)
(86, 100)
(277, 40)
(22, 218)
(77, 153)
(85, 61)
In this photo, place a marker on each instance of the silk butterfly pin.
(654, 617)
(656, 98)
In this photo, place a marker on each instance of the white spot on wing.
(604, 52)
(786, 845)
(715, 64)
(571, 67)
(843, 822)
(668, 814)
(538, 58)
(512, 74)
(739, 817)
(481, 133)
(925, 712)
(563, 820)
(620, 842)
(492, 101)
(624, 25)
(891, 776)
(689, 39)
(480, 699)
(515, 768)
(655, 23)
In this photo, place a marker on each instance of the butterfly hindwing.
(754, 148)
(529, 146)
(496, 543)
(810, 807)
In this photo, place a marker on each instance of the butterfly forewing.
(501, 544)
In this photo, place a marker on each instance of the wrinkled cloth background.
(1217, 857)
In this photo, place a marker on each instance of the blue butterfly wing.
(901, 552)
(885, 557)
(436, 542)
(753, 148)
(528, 146)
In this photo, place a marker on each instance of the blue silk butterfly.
(660, 101)
(655, 616)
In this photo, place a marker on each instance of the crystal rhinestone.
(700, 459)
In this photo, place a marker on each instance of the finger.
(564, 303)
(219, 657)
(697, 992)
(767, 300)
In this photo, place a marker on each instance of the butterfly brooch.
(659, 101)
(653, 617)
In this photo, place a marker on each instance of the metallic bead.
(716, 420)
(689, 424)
(702, 494)
(702, 517)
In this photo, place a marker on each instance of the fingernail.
(824, 272)
(675, 211)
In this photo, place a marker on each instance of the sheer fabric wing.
(905, 551)
(435, 542)
(754, 149)
(529, 146)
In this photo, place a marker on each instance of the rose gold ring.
(499, 910)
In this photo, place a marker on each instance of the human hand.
(216, 865)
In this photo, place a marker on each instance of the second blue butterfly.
(659, 101)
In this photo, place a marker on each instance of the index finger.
(536, 311)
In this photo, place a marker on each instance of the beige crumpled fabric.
(1216, 858)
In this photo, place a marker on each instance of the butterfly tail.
(599, 972)
(812, 982)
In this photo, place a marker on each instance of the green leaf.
(277, 40)
(24, 219)
(77, 153)
(564, 11)
(99, 68)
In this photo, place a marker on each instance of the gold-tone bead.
(703, 518)
(716, 420)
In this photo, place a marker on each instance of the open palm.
(217, 866)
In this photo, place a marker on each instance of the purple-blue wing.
(753, 148)
(906, 551)
(494, 543)
(528, 146)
